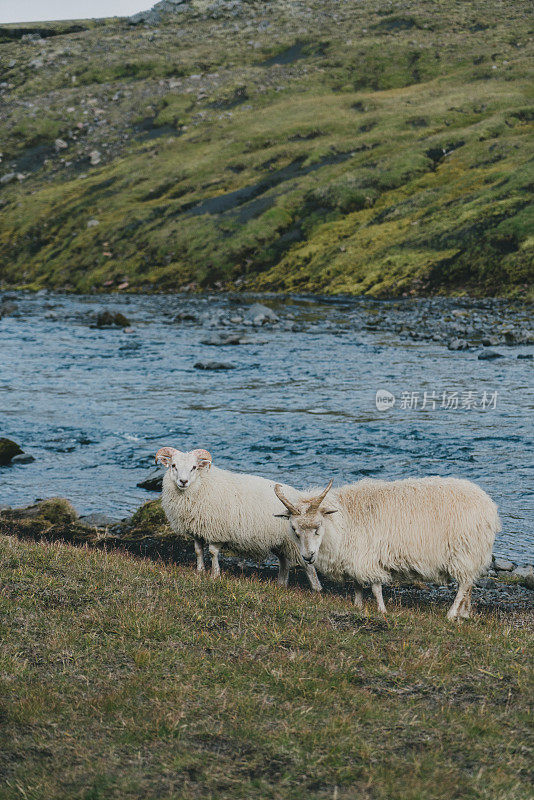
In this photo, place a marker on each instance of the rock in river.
(223, 339)
(215, 365)
(108, 319)
(258, 314)
(8, 450)
(7, 307)
(154, 482)
(22, 458)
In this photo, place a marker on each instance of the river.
(93, 405)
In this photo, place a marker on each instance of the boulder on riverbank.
(54, 519)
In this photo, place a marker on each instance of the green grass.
(391, 154)
(123, 678)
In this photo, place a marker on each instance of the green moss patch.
(371, 150)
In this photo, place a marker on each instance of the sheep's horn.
(290, 507)
(202, 455)
(316, 501)
(165, 454)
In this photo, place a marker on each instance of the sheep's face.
(306, 517)
(308, 531)
(185, 468)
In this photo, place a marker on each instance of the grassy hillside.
(122, 678)
(333, 146)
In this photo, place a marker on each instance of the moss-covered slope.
(329, 146)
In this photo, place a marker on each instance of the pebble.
(489, 355)
(503, 565)
(458, 344)
(524, 572)
(487, 583)
(186, 316)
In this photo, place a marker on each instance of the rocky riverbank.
(232, 319)
(147, 534)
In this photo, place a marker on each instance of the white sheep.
(219, 508)
(428, 528)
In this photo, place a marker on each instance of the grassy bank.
(332, 146)
(123, 678)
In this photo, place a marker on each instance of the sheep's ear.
(287, 515)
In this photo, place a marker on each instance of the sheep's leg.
(358, 595)
(376, 588)
(463, 588)
(199, 550)
(283, 571)
(315, 583)
(464, 610)
(214, 553)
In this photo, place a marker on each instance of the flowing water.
(93, 405)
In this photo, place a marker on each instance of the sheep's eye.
(193, 469)
(316, 531)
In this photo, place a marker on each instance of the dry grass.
(122, 678)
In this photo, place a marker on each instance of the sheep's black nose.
(182, 482)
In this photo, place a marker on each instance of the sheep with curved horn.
(221, 508)
(427, 528)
